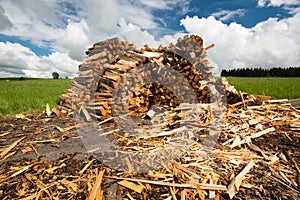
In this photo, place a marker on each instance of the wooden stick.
(184, 185)
(96, 186)
(235, 184)
(86, 113)
(6, 150)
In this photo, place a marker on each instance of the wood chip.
(6, 150)
(48, 110)
(235, 184)
(196, 185)
(96, 187)
(135, 187)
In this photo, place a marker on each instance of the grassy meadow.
(279, 88)
(30, 95)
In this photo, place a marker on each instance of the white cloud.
(17, 60)
(182, 6)
(153, 37)
(68, 27)
(43, 10)
(72, 26)
(5, 23)
(261, 3)
(29, 23)
(283, 2)
(276, 3)
(271, 43)
(158, 4)
(225, 15)
(137, 14)
(74, 40)
(14, 55)
(61, 63)
(102, 16)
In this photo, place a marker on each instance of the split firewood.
(106, 58)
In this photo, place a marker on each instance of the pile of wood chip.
(256, 157)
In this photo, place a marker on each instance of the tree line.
(259, 72)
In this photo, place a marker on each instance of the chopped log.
(109, 62)
(86, 114)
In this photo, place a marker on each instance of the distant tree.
(55, 75)
(224, 72)
(21, 78)
(261, 72)
(67, 77)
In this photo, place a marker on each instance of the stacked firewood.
(116, 76)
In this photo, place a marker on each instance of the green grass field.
(279, 88)
(31, 95)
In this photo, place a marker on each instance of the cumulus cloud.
(28, 24)
(271, 43)
(16, 56)
(153, 37)
(225, 15)
(72, 26)
(44, 21)
(68, 28)
(18, 60)
(101, 15)
(74, 40)
(62, 63)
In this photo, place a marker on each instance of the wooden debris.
(197, 174)
(52, 169)
(238, 141)
(96, 192)
(135, 187)
(162, 183)
(20, 116)
(86, 166)
(20, 171)
(10, 147)
(48, 111)
(234, 186)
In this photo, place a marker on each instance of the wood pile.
(248, 159)
(256, 154)
(103, 78)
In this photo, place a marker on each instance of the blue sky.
(249, 16)
(38, 37)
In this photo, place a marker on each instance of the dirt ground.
(47, 161)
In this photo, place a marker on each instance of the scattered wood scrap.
(264, 164)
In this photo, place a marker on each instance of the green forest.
(260, 72)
